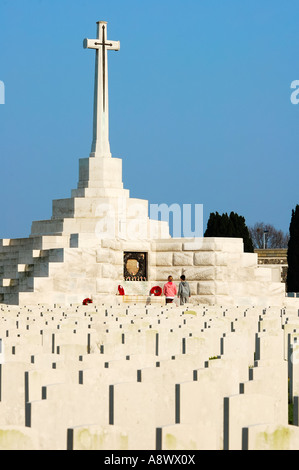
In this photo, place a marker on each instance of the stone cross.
(100, 144)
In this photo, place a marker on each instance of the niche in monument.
(135, 266)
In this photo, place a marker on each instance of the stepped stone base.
(80, 251)
(68, 268)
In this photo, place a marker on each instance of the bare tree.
(265, 234)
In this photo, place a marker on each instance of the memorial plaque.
(135, 266)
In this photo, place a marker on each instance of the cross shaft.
(100, 143)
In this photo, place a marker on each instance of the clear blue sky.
(200, 108)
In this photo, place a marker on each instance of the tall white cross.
(100, 143)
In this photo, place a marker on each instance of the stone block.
(94, 270)
(109, 256)
(43, 285)
(91, 207)
(46, 227)
(41, 269)
(263, 274)
(98, 172)
(206, 299)
(109, 271)
(249, 260)
(112, 244)
(103, 192)
(47, 242)
(206, 288)
(104, 286)
(161, 273)
(136, 288)
(167, 245)
(63, 208)
(193, 288)
(204, 259)
(64, 284)
(56, 255)
(80, 225)
(5, 242)
(136, 245)
(221, 259)
(203, 244)
(183, 259)
(164, 259)
(200, 273)
(222, 288)
(103, 256)
(158, 229)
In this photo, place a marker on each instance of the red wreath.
(157, 291)
(87, 301)
(121, 290)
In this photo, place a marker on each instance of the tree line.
(261, 236)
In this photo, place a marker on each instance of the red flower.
(157, 291)
(121, 290)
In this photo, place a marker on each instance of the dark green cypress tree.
(293, 253)
(240, 230)
(213, 225)
(233, 226)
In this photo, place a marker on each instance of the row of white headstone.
(151, 378)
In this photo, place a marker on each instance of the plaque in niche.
(135, 268)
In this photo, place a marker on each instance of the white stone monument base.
(55, 270)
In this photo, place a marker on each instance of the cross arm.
(97, 44)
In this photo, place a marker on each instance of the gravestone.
(144, 385)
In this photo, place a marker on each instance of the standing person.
(184, 292)
(170, 290)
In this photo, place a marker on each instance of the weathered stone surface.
(183, 259)
(207, 288)
(161, 273)
(104, 286)
(204, 259)
(200, 273)
(167, 245)
(164, 259)
(271, 437)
